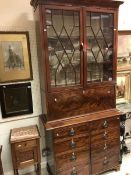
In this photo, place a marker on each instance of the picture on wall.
(16, 99)
(124, 51)
(15, 57)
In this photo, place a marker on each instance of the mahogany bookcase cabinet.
(77, 46)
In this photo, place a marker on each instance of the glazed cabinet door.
(99, 45)
(63, 51)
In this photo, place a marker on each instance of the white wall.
(18, 16)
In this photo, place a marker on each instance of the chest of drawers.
(86, 148)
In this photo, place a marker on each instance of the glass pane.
(99, 29)
(63, 31)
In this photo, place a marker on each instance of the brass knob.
(105, 146)
(105, 135)
(72, 132)
(105, 161)
(105, 124)
(57, 135)
(72, 144)
(55, 99)
(73, 157)
(74, 172)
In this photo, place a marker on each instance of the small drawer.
(25, 145)
(105, 163)
(99, 137)
(72, 157)
(71, 144)
(75, 170)
(71, 131)
(107, 123)
(105, 149)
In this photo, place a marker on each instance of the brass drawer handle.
(105, 161)
(73, 157)
(105, 124)
(72, 132)
(74, 172)
(105, 146)
(105, 135)
(72, 144)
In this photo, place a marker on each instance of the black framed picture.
(16, 99)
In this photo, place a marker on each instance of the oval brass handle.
(105, 135)
(72, 132)
(105, 146)
(72, 144)
(105, 124)
(74, 172)
(73, 157)
(105, 161)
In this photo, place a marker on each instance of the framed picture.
(124, 51)
(15, 57)
(16, 99)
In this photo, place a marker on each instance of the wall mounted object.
(16, 99)
(124, 51)
(15, 57)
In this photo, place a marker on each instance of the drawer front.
(25, 145)
(70, 131)
(72, 158)
(105, 135)
(107, 123)
(71, 144)
(105, 163)
(26, 158)
(104, 150)
(76, 170)
(77, 102)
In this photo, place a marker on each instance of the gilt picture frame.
(124, 50)
(15, 57)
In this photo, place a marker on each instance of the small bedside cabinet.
(25, 148)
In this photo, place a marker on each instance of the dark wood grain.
(77, 102)
(65, 145)
(81, 170)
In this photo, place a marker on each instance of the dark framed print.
(16, 99)
(15, 57)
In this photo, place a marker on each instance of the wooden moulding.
(80, 119)
(106, 3)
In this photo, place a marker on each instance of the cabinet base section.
(115, 168)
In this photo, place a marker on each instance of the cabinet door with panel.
(80, 54)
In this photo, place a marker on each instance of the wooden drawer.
(27, 157)
(107, 123)
(72, 158)
(76, 170)
(25, 145)
(106, 149)
(105, 163)
(71, 144)
(70, 131)
(104, 135)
